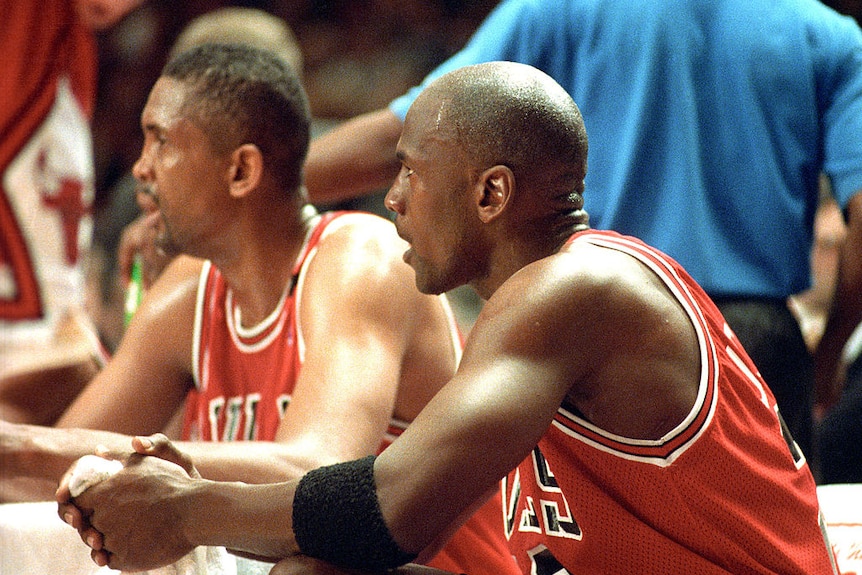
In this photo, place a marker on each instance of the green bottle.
(134, 291)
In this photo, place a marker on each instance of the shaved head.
(515, 115)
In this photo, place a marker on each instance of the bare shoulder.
(362, 251)
(183, 272)
(578, 286)
(361, 231)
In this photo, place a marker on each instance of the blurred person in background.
(838, 436)
(48, 346)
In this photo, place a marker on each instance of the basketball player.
(227, 25)
(301, 332)
(631, 430)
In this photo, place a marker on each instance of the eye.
(407, 171)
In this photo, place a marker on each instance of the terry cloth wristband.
(336, 517)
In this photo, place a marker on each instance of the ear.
(495, 189)
(245, 171)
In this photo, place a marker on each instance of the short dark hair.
(245, 95)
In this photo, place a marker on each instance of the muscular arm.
(357, 320)
(148, 377)
(478, 427)
(354, 159)
(846, 311)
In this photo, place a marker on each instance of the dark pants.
(839, 437)
(771, 335)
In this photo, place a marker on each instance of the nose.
(141, 169)
(394, 200)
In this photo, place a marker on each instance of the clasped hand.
(132, 520)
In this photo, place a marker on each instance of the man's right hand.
(139, 240)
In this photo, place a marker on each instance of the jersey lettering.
(50, 172)
(69, 202)
(510, 500)
(529, 517)
(551, 515)
(251, 402)
(216, 406)
(544, 563)
(795, 451)
(238, 416)
(232, 416)
(557, 523)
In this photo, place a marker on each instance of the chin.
(431, 287)
(426, 287)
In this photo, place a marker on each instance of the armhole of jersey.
(664, 451)
(297, 300)
(199, 314)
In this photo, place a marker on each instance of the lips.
(404, 237)
(145, 197)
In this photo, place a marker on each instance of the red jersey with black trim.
(47, 93)
(727, 491)
(244, 379)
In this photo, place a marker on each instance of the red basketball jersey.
(245, 378)
(47, 93)
(727, 491)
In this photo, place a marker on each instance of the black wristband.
(336, 517)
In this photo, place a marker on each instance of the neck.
(261, 262)
(516, 251)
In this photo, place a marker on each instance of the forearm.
(356, 158)
(251, 462)
(251, 519)
(58, 387)
(34, 458)
(846, 310)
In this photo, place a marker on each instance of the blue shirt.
(709, 121)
